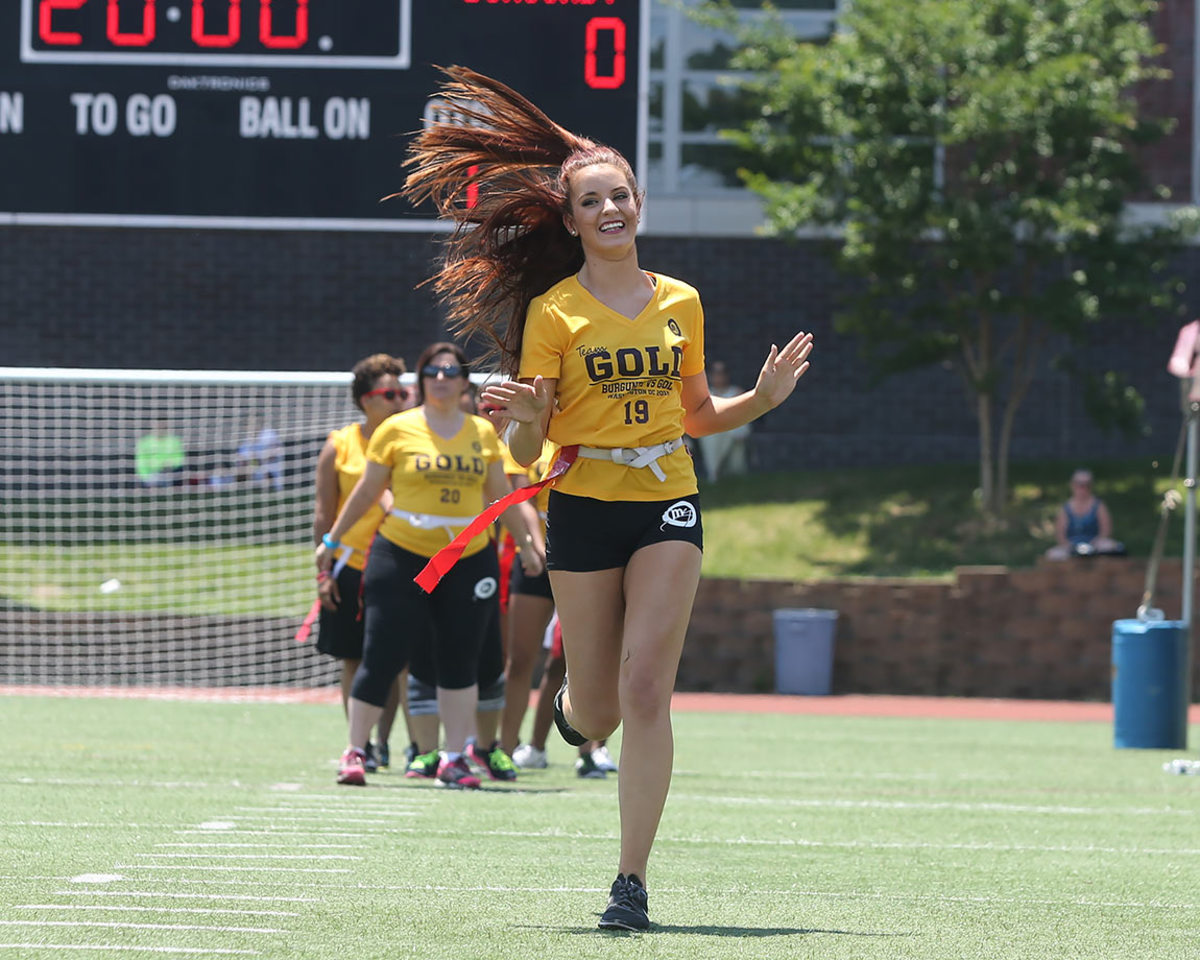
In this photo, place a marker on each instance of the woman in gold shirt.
(440, 464)
(608, 362)
(376, 391)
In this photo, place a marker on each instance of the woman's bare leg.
(591, 610)
(543, 714)
(660, 587)
(527, 619)
(349, 668)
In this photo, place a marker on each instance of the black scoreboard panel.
(247, 111)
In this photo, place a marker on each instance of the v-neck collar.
(438, 433)
(655, 282)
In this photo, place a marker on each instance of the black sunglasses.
(390, 393)
(449, 370)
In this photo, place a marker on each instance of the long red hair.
(510, 245)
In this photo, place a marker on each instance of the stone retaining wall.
(1042, 633)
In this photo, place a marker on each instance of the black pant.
(399, 618)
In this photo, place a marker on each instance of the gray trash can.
(804, 651)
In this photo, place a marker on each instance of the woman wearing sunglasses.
(441, 465)
(376, 391)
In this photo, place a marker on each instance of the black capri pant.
(400, 618)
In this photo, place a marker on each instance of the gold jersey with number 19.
(619, 382)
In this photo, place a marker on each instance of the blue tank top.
(1082, 529)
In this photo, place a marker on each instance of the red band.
(441, 562)
(306, 626)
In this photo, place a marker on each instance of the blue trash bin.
(804, 651)
(1150, 684)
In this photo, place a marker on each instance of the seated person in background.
(1083, 526)
(260, 455)
(158, 457)
(726, 451)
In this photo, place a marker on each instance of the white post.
(1189, 539)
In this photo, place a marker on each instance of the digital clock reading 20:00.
(242, 111)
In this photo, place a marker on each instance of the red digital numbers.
(267, 35)
(202, 35)
(46, 29)
(233, 26)
(591, 71)
(130, 39)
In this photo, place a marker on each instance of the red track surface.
(851, 705)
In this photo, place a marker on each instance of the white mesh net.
(128, 558)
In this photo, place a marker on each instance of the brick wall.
(1042, 633)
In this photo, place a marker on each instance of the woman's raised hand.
(523, 402)
(782, 369)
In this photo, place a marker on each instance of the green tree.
(976, 159)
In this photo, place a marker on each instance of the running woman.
(609, 363)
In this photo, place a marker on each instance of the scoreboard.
(280, 113)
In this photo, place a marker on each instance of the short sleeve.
(381, 448)
(693, 353)
(489, 441)
(542, 343)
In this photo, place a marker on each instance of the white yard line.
(325, 811)
(324, 819)
(692, 892)
(113, 925)
(269, 846)
(150, 909)
(164, 866)
(253, 856)
(963, 806)
(125, 948)
(183, 896)
(140, 784)
(281, 832)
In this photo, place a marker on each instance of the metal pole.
(1189, 540)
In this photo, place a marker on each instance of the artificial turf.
(135, 828)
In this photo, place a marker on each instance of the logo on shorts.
(679, 514)
(485, 588)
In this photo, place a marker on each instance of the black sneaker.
(372, 759)
(626, 905)
(569, 733)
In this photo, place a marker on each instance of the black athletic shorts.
(583, 534)
(521, 582)
(449, 625)
(340, 631)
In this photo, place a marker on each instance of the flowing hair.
(509, 245)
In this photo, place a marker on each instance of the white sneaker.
(603, 760)
(529, 757)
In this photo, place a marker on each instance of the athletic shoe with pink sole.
(456, 774)
(352, 769)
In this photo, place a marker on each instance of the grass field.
(134, 828)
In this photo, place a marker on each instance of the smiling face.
(604, 210)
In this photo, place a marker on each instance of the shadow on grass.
(425, 784)
(918, 520)
(712, 930)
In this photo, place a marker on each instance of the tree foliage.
(977, 158)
